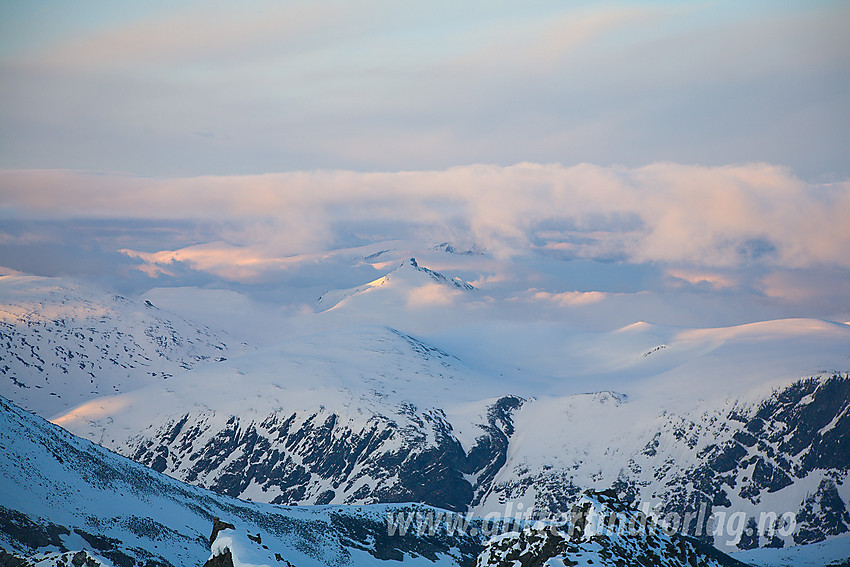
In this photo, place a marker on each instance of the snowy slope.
(408, 285)
(832, 552)
(59, 493)
(349, 416)
(64, 343)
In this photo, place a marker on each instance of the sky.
(217, 88)
(640, 147)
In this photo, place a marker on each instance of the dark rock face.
(32, 534)
(797, 421)
(604, 531)
(223, 560)
(823, 514)
(490, 453)
(529, 548)
(413, 456)
(61, 559)
(9, 560)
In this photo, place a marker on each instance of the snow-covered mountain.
(781, 454)
(351, 416)
(397, 285)
(368, 415)
(342, 403)
(64, 343)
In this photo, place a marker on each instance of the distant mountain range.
(726, 434)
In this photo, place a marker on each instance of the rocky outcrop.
(224, 559)
(11, 560)
(602, 531)
(218, 525)
(82, 558)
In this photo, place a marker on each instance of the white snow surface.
(594, 396)
(831, 552)
(65, 342)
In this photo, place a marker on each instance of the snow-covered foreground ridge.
(60, 493)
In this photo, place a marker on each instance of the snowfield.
(431, 381)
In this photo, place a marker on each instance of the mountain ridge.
(369, 413)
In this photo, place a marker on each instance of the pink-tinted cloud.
(695, 277)
(570, 298)
(432, 295)
(675, 214)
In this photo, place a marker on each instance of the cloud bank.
(706, 217)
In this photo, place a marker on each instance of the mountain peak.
(406, 276)
(452, 249)
(438, 277)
